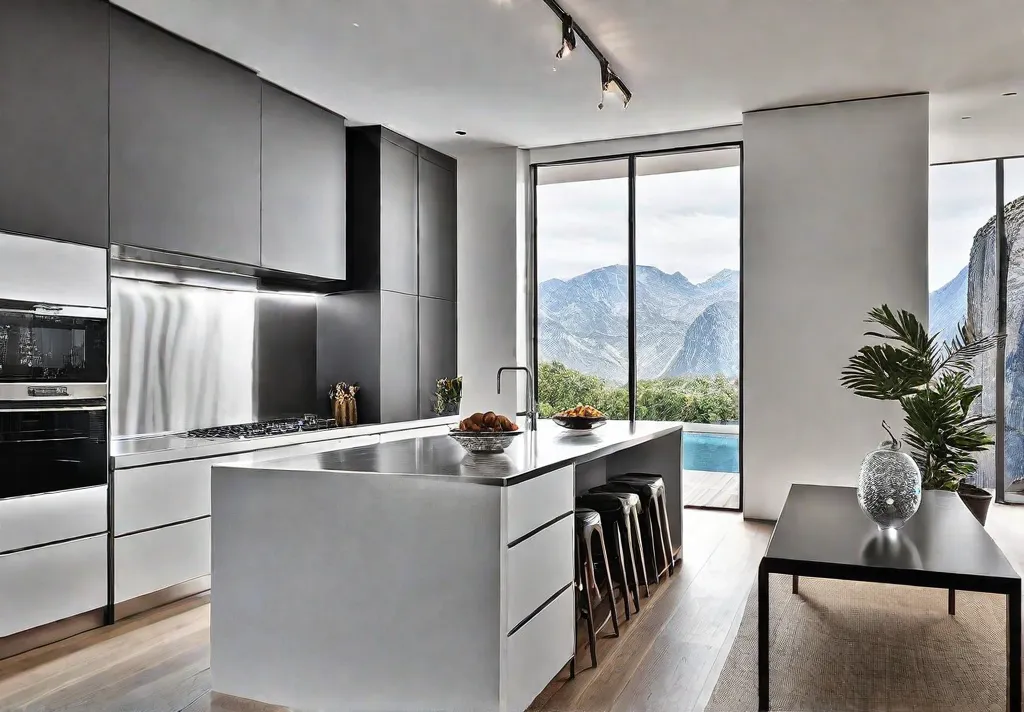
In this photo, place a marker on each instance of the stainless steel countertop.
(136, 452)
(439, 457)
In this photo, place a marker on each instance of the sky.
(689, 222)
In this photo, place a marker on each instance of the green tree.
(693, 399)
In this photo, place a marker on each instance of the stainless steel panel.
(39, 636)
(49, 272)
(44, 518)
(51, 583)
(149, 601)
(181, 357)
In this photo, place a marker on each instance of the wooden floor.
(667, 658)
(711, 489)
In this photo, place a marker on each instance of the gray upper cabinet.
(184, 146)
(303, 179)
(398, 217)
(437, 230)
(53, 119)
(438, 348)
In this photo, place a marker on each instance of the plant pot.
(977, 500)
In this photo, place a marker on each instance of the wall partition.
(638, 300)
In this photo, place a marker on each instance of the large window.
(1013, 221)
(976, 268)
(582, 287)
(963, 271)
(685, 240)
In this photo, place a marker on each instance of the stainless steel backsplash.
(181, 356)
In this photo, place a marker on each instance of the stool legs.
(640, 550)
(617, 538)
(627, 529)
(655, 515)
(663, 509)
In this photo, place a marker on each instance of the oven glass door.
(41, 343)
(49, 447)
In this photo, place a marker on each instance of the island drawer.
(538, 650)
(536, 502)
(538, 567)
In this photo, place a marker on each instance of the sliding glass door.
(678, 357)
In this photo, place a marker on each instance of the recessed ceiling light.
(460, 132)
(965, 118)
(1009, 93)
(355, 24)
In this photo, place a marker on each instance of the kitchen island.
(411, 575)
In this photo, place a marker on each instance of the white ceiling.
(429, 67)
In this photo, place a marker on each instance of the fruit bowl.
(482, 442)
(579, 422)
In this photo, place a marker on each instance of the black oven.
(53, 398)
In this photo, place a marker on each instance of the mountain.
(582, 322)
(712, 344)
(947, 306)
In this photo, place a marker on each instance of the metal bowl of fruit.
(485, 432)
(582, 417)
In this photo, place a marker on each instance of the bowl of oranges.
(582, 417)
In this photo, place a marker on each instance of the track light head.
(568, 38)
(612, 85)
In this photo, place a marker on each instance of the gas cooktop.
(264, 428)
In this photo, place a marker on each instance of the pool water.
(711, 452)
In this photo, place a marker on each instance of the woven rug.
(843, 645)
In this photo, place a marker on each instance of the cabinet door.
(437, 348)
(398, 218)
(53, 120)
(398, 373)
(184, 147)
(437, 236)
(303, 178)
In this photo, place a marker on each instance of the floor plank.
(667, 658)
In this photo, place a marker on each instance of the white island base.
(409, 575)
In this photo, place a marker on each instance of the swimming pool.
(711, 452)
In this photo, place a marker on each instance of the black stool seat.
(608, 502)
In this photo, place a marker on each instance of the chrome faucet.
(531, 405)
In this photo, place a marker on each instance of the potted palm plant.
(932, 382)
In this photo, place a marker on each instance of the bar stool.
(588, 523)
(657, 484)
(651, 490)
(618, 516)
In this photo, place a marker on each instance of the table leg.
(952, 602)
(1013, 651)
(796, 584)
(763, 702)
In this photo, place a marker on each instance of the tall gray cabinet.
(53, 119)
(401, 234)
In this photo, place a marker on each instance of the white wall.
(491, 227)
(835, 221)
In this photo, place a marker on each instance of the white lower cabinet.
(50, 583)
(538, 568)
(427, 432)
(538, 650)
(160, 558)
